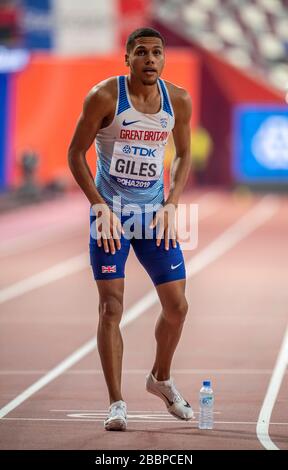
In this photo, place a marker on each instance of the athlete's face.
(146, 59)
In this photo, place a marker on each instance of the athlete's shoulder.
(177, 93)
(106, 89)
(180, 98)
(102, 96)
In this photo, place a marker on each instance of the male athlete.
(131, 118)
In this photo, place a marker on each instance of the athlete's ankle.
(116, 398)
(160, 375)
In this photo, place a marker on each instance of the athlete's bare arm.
(181, 134)
(165, 223)
(98, 112)
(98, 105)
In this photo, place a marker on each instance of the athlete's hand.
(108, 228)
(165, 223)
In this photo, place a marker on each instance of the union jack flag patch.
(108, 269)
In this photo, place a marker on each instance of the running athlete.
(131, 117)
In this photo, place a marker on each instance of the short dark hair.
(142, 33)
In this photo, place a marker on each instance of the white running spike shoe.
(117, 417)
(175, 403)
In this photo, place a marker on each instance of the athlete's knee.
(176, 312)
(111, 308)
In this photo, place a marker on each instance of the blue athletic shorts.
(161, 265)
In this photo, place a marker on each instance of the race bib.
(136, 165)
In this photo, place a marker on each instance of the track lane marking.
(262, 428)
(141, 420)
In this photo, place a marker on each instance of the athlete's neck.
(142, 91)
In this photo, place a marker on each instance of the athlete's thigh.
(106, 266)
(161, 265)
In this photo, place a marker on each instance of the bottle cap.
(206, 383)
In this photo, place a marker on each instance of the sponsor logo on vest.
(124, 123)
(142, 151)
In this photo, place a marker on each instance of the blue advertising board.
(260, 143)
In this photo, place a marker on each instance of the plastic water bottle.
(206, 405)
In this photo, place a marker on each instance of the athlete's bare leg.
(109, 339)
(169, 325)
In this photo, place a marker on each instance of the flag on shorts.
(109, 269)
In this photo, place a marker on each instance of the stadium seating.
(251, 34)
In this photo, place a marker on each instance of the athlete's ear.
(127, 60)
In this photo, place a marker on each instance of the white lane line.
(70, 266)
(145, 371)
(262, 428)
(256, 217)
(131, 420)
(104, 412)
(42, 278)
(75, 357)
(259, 214)
(87, 420)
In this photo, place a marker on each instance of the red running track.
(238, 297)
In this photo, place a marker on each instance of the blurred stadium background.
(230, 54)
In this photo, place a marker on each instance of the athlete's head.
(145, 54)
